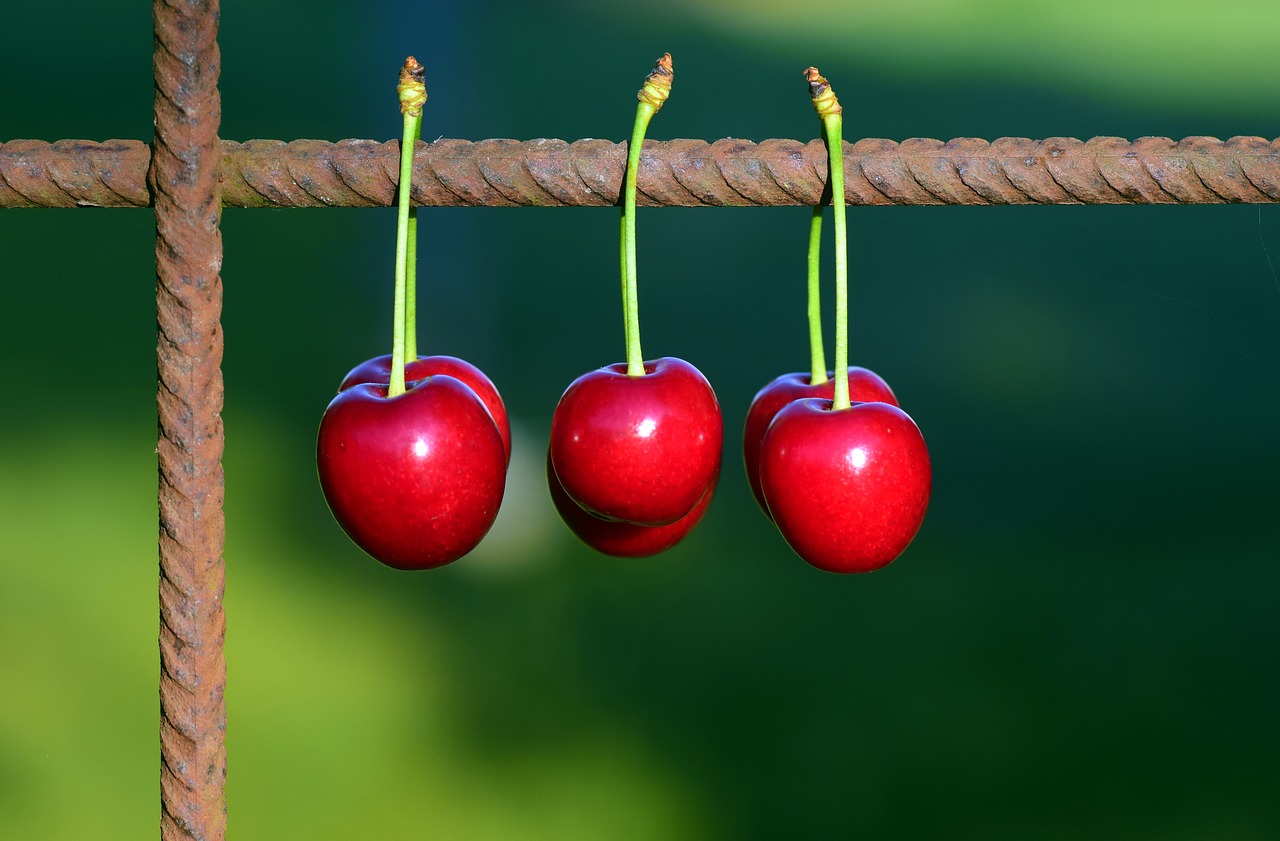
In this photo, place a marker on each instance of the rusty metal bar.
(969, 171)
(182, 180)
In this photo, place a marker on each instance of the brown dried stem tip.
(657, 85)
(824, 98)
(412, 89)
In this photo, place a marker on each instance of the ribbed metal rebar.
(183, 182)
(970, 171)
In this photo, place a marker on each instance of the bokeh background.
(1080, 644)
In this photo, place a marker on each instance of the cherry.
(622, 540)
(846, 481)
(412, 458)
(415, 480)
(378, 370)
(638, 449)
(638, 442)
(864, 387)
(847, 488)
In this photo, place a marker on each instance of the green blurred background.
(1080, 644)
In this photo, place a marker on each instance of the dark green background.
(1080, 644)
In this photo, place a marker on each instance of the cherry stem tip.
(412, 89)
(824, 98)
(657, 85)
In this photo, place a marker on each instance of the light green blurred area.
(341, 722)
(1081, 643)
(1163, 52)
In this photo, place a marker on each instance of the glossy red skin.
(622, 540)
(640, 450)
(864, 387)
(841, 511)
(378, 370)
(416, 480)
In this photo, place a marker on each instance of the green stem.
(829, 111)
(622, 264)
(411, 274)
(817, 354)
(399, 325)
(630, 295)
(412, 94)
(654, 92)
(832, 126)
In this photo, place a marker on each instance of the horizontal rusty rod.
(687, 173)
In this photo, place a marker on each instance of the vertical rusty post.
(183, 179)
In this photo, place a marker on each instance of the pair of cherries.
(412, 453)
(633, 461)
(841, 470)
(847, 488)
(635, 447)
(415, 480)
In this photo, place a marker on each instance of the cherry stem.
(412, 93)
(829, 110)
(411, 275)
(626, 313)
(817, 354)
(656, 89)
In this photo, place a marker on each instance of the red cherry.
(378, 370)
(848, 489)
(622, 540)
(864, 387)
(641, 450)
(415, 480)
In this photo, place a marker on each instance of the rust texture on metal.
(688, 173)
(182, 182)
